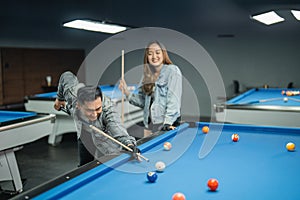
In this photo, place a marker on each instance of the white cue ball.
(160, 166)
(285, 99)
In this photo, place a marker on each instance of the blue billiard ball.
(152, 176)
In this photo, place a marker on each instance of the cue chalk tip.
(143, 157)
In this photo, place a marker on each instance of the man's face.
(91, 109)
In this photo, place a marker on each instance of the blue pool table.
(43, 103)
(17, 129)
(258, 166)
(261, 106)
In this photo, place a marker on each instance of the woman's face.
(155, 55)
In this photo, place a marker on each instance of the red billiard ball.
(205, 129)
(213, 184)
(151, 176)
(178, 196)
(235, 137)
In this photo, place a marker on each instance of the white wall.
(253, 60)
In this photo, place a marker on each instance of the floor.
(40, 162)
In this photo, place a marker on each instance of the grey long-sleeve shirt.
(108, 121)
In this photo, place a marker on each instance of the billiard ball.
(235, 137)
(285, 99)
(295, 93)
(178, 196)
(213, 184)
(151, 176)
(160, 166)
(289, 93)
(167, 146)
(290, 146)
(205, 129)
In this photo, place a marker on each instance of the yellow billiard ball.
(290, 146)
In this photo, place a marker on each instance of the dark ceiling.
(34, 20)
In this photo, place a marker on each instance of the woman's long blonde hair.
(149, 78)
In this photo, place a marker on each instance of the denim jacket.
(166, 97)
(108, 121)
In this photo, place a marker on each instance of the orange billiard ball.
(178, 196)
(213, 184)
(289, 93)
(167, 146)
(235, 137)
(290, 146)
(205, 129)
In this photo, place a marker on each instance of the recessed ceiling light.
(268, 18)
(296, 14)
(95, 26)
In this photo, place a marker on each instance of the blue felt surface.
(111, 91)
(256, 167)
(272, 95)
(7, 116)
(46, 95)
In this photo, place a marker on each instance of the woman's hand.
(123, 86)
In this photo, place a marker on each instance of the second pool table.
(261, 106)
(16, 129)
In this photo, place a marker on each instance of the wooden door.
(12, 75)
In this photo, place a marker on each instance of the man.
(88, 106)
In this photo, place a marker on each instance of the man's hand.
(135, 151)
(167, 127)
(58, 104)
(134, 148)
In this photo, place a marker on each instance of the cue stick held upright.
(122, 77)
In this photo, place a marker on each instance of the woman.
(160, 92)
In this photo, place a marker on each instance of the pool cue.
(271, 99)
(116, 141)
(106, 135)
(258, 101)
(122, 77)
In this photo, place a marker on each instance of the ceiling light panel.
(95, 26)
(296, 14)
(268, 18)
